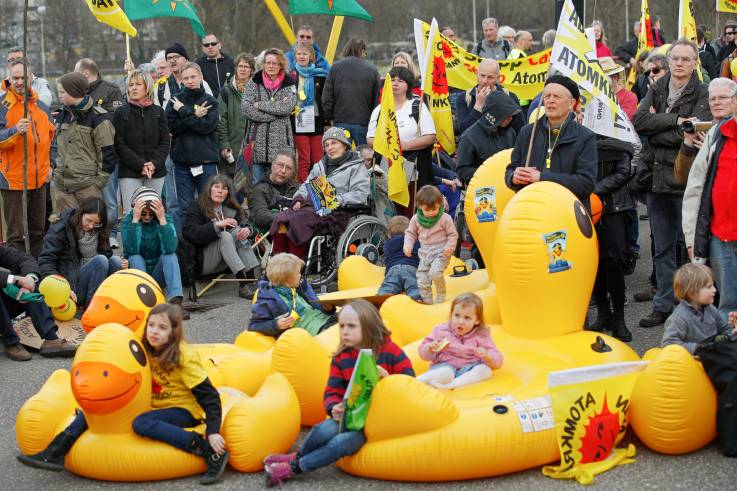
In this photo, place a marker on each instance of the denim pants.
(166, 273)
(259, 172)
(170, 186)
(325, 444)
(723, 259)
(665, 222)
(38, 311)
(187, 184)
(358, 132)
(110, 197)
(92, 274)
(401, 278)
(165, 425)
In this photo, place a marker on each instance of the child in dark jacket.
(360, 327)
(400, 274)
(287, 300)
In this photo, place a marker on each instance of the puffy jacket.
(269, 306)
(41, 136)
(573, 163)
(216, 71)
(614, 171)
(149, 240)
(141, 135)
(194, 139)
(106, 94)
(272, 129)
(266, 200)
(351, 180)
(232, 125)
(664, 137)
(86, 156)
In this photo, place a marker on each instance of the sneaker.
(645, 295)
(278, 473)
(114, 242)
(58, 348)
(17, 352)
(655, 318)
(280, 457)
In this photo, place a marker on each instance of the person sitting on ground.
(275, 192)
(400, 271)
(22, 272)
(695, 318)
(77, 247)
(460, 351)
(150, 242)
(217, 228)
(286, 300)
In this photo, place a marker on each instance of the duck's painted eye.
(137, 352)
(146, 294)
(583, 220)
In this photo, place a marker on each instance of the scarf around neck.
(426, 222)
(143, 102)
(273, 85)
(308, 74)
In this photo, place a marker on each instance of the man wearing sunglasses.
(216, 66)
(727, 41)
(305, 34)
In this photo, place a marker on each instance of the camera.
(690, 126)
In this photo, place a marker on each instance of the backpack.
(505, 48)
(720, 364)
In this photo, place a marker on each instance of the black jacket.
(141, 135)
(614, 171)
(16, 263)
(198, 230)
(351, 91)
(106, 94)
(664, 137)
(194, 140)
(466, 115)
(266, 200)
(708, 59)
(573, 163)
(60, 253)
(216, 72)
(642, 85)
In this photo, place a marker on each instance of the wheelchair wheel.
(320, 267)
(365, 237)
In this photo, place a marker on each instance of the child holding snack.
(695, 318)
(461, 350)
(286, 300)
(437, 236)
(400, 273)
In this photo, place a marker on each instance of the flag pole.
(281, 21)
(26, 96)
(128, 53)
(334, 38)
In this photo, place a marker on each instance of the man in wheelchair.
(275, 192)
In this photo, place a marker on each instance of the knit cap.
(337, 133)
(144, 194)
(75, 84)
(176, 48)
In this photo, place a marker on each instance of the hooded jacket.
(466, 115)
(614, 172)
(486, 137)
(350, 179)
(141, 135)
(216, 72)
(573, 163)
(268, 306)
(664, 136)
(232, 125)
(194, 139)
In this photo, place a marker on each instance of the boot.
(277, 473)
(603, 319)
(52, 458)
(215, 462)
(619, 328)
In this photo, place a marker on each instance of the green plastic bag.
(358, 395)
(12, 292)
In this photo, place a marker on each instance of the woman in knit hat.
(85, 144)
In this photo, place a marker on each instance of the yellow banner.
(460, 65)
(386, 143)
(109, 12)
(435, 85)
(644, 40)
(729, 6)
(687, 28)
(525, 77)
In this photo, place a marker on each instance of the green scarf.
(429, 222)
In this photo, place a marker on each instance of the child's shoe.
(280, 457)
(439, 297)
(278, 473)
(216, 463)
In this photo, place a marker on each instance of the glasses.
(210, 45)
(173, 57)
(654, 71)
(730, 33)
(720, 98)
(271, 63)
(89, 222)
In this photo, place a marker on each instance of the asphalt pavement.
(705, 469)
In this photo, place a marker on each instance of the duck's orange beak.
(103, 388)
(105, 309)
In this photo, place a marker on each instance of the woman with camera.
(217, 228)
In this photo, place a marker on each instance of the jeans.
(665, 222)
(165, 425)
(723, 258)
(172, 205)
(401, 278)
(358, 132)
(92, 274)
(325, 444)
(110, 196)
(187, 184)
(166, 273)
(40, 317)
(258, 173)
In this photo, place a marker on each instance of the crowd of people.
(204, 156)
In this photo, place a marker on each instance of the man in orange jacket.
(38, 129)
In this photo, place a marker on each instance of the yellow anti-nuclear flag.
(687, 28)
(109, 12)
(386, 143)
(644, 40)
(729, 6)
(435, 85)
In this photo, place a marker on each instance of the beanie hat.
(178, 49)
(565, 82)
(144, 194)
(75, 84)
(336, 133)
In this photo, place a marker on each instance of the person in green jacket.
(150, 242)
(232, 126)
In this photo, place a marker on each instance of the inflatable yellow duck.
(111, 383)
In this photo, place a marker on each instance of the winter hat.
(75, 84)
(565, 82)
(144, 194)
(498, 107)
(176, 48)
(336, 133)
